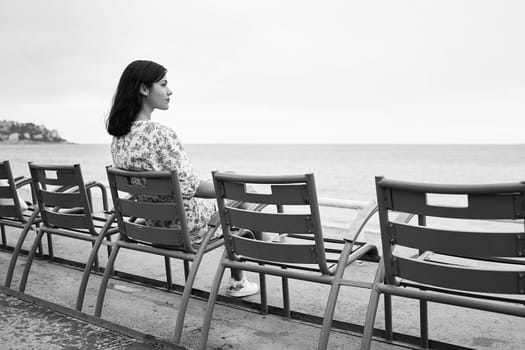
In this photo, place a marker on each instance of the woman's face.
(159, 94)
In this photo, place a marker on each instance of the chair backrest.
(10, 205)
(294, 193)
(450, 229)
(68, 208)
(149, 207)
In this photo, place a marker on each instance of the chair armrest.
(21, 181)
(361, 219)
(88, 186)
(92, 184)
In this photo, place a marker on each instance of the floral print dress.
(153, 146)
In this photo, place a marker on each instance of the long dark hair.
(127, 101)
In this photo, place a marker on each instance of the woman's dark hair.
(127, 101)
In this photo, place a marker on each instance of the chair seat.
(333, 250)
(15, 222)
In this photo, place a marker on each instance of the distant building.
(13, 137)
(13, 132)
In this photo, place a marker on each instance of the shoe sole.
(240, 295)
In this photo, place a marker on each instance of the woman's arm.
(205, 190)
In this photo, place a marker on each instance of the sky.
(245, 71)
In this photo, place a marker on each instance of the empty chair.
(449, 255)
(14, 210)
(297, 248)
(137, 214)
(66, 209)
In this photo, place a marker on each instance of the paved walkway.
(30, 323)
(131, 311)
(152, 311)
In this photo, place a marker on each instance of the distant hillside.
(15, 132)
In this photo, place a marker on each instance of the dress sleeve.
(171, 156)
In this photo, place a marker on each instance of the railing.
(341, 203)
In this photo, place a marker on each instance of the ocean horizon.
(344, 171)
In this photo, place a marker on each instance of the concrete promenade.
(139, 316)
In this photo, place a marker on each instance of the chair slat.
(154, 235)
(295, 194)
(76, 221)
(476, 244)
(270, 222)
(461, 278)
(62, 199)
(152, 186)
(5, 192)
(275, 252)
(63, 177)
(5, 170)
(147, 210)
(483, 206)
(8, 211)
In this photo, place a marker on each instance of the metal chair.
(65, 206)
(14, 211)
(299, 251)
(135, 210)
(446, 257)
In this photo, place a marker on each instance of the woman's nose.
(170, 92)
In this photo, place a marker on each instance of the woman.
(141, 144)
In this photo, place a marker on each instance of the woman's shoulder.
(151, 126)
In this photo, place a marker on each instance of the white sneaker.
(242, 288)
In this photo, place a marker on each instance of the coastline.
(31, 142)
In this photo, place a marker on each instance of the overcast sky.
(274, 71)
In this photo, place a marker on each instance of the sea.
(342, 171)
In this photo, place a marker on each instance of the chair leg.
(105, 278)
(30, 257)
(211, 303)
(389, 334)
(286, 298)
(50, 247)
(372, 309)
(328, 316)
(332, 296)
(186, 269)
(40, 250)
(41, 253)
(188, 288)
(4, 238)
(87, 271)
(264, 296)
(423, 320)
(108, 247)
(17, 249)
(167, 266)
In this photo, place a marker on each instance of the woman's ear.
(144, 90)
